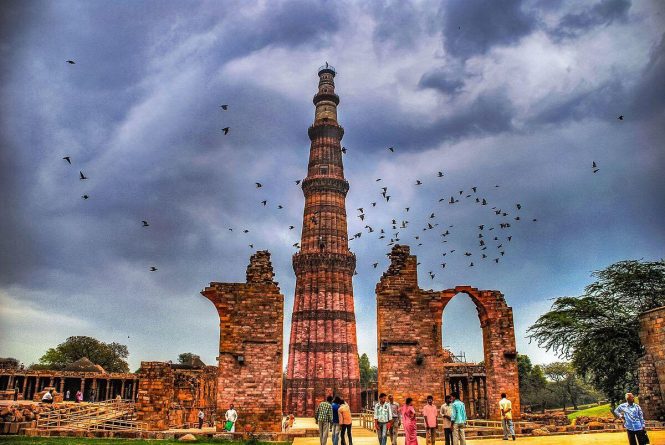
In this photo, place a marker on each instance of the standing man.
(323, 416)
(231, 417)
(429, 413)
(506, 408)
(383, 416)
(445, 420)
(67, 395)
(201, 415)
(458, 419)
(394, 427)
(335, 419)
(633, 420)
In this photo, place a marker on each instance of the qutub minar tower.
(323, 352)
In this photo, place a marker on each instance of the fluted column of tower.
(323, 352)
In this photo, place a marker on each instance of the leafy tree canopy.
(110, 356)
(187, 357)
(598, 330)
(367, 371)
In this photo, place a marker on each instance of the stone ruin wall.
(651, 369)
(411, 359)
(250, 348)
(170, 396)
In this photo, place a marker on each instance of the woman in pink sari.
(409, 423)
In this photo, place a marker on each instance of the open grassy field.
(594, 411)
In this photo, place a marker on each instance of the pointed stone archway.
(411, 358)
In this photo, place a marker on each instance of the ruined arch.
(411, 358)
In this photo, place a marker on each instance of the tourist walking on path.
(633, 420)
(458, 420)
(201, 415)
(506, 408)
(79, 396)
(383, 417)
(335, 420)
(394, 426)
(430, 413)
(345, 421)
(323, 416)
(231, 417)
(409, 423)
(445, 420)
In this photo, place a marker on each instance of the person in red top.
(430, 414)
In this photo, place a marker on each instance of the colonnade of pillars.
(473, 392)
(93, 389)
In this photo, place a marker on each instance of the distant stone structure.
(651, 370)
(323, 351)
(251, 318)
(411, 358)
(171, 395)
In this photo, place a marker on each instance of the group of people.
(334, 415)
(389, 416)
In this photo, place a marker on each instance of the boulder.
(540, 432)
(595, 425)
(188, 438)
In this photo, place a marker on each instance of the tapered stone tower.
(323, 352)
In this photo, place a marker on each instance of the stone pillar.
(93, 388)
(134, 385)
(108, 388)
(156, 391)
(250, 347)
(10, 382)
(25, 387)
(62, 385)
(37, 388)
(122, 389)
(651, 366)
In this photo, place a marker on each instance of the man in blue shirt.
(458, 420)
(335, 419)
(633, 420)
(383, 416)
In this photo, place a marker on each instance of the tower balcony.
(325, 130)
(327, 69)
(313, 262)
(331, 97)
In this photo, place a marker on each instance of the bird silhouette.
(258, 185)
(153, 269)
(392, 149)
(519, 206)
(226, 130)
(245, 231)
(264, 203)
(145, 223)
(373, 204)
(279, 206)
(344, 150)
(298, 181)
(71, 62)
(291, 227)
(224, 107)
(67, 158)
(418, 182)
(360, 209)
(375, 264)
(594, 167)
(85, 196)
(82, 176)
(440, 174)
(620, 117)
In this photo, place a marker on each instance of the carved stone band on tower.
(323, 352)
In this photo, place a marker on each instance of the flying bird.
(418, 182)
(66, 158)
(258, 185)
(244, 231)
(440, 174)
(291, 227)
(82, 176)
(360, 209)
(71, 62)
(85, 196)
(620, 117)
(280, 206)
(226, 130)
(298, 181)
(145, 223)
(392, 149)
(153, 269)
(594, 167)
(344, 150)
(375, 264)
(519, 206)
(224, 107)
(264, 203)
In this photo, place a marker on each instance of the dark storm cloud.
(649, 95)
(602, 13)
(399, 24)
(472, 28)
(443, 81)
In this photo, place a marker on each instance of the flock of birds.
(492, 239)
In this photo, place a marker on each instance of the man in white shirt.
(446, 423)
(231, 416)
(47, 397)
(506, 408)
(201, 415)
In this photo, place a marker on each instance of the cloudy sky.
(520, 94)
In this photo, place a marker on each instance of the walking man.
(231, 416)
(429, 413)
(324, 417)
(383, 416)
(201, 416)
(633, 420)
(506, 408)
(458, 420)
(394, 427)
(445, 420)
(345, 422)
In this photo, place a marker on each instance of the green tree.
(532, 382)
(598, 330)
(110, 356)
(187, 357)
(367, 371)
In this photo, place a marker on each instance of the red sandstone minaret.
(323, 352)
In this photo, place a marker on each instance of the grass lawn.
(21, 440)
(595, 411)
